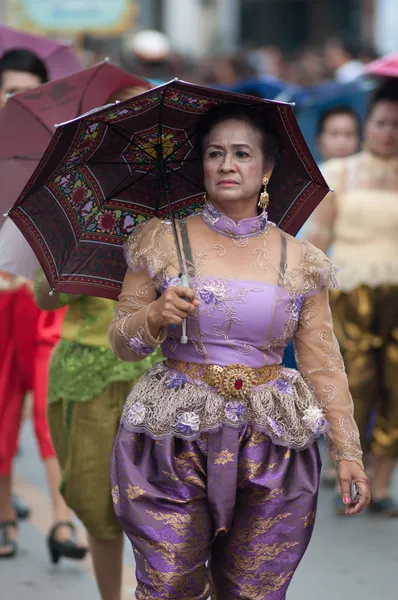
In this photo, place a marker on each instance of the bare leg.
(382, 475)
(7, 512)
(108, 560)
(61, 511)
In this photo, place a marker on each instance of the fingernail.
(346, 500)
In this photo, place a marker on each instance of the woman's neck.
(237, 211)
(381, 157)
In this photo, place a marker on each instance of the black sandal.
(67, 549)
(6, 541)
(21, 509)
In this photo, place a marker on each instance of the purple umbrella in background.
(59, 58)
(27, 120)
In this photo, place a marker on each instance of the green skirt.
(83, 434)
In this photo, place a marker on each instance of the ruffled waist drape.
(166, 402)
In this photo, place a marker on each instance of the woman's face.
(381, 131)
(233, 163)
(339, 137)
(15, 82)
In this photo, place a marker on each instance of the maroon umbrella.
(106, 172)
(27, 121)
(59, 58)
(384, 67)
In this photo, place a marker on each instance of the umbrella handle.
(184, 337)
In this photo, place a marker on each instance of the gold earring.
(205, 197)
(264, 196)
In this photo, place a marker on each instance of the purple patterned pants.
(229, 515)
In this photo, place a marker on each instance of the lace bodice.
(257, 288)
(360, 220)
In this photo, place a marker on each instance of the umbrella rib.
(122, 134)
(90, 81)
(181, 176)
(118, 191)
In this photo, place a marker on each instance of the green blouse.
(82, 364)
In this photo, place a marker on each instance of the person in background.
(88, 385)
(339, 136)
(342, 58)
(360, 223)
(339, 133)
(149, 54)
(20, 70)
(27, 337)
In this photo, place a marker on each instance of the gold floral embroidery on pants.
(134, 492)
(224, 457)
(116, 494)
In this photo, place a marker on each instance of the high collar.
(245, 228)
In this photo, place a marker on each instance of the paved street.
(348, 558)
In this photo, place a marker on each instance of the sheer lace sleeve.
(129, 334)
(319, 227)
(321, 364)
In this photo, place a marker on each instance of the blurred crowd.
(150, 54)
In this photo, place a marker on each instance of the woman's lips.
(227, 182)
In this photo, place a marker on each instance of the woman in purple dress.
(215, 468)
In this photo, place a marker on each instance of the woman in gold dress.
(360, 220)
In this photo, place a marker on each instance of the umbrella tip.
(107, 59)
(292, 104)
(331, 190)
(51, 292)
(5, 215)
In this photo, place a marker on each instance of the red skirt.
(18, 327)
(48, 334)
(27, 337)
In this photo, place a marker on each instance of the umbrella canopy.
(27, 120)
(384, 67)
(59, 58)
(107, 172)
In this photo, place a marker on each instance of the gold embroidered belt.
(234, 381)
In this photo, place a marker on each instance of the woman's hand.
(349, 471)
(171, 308)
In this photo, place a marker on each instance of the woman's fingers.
(349, 472)
(184, 292)
(364, 496)
(345, 486)
(177, 304)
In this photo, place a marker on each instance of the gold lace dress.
(360, 221)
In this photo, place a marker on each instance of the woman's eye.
(242, 154)
(214, 154)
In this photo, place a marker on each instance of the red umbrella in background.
(59, 58)
(27, 120)
(384, 67)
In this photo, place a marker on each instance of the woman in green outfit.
(88, 386)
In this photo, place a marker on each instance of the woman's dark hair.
(248, 114)
(25, 62)
(337, 111)
(387, 91)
